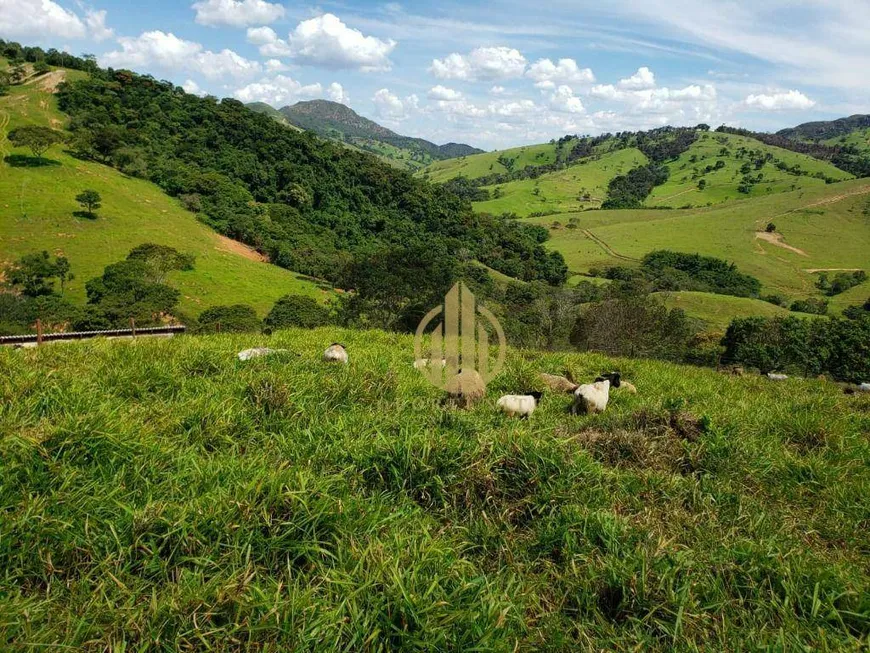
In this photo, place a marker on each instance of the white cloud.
(388, 105)
(169, 53)
(96, 22)
(412, 102)
(39, 19)
(564, 101)
(277, 91)
(481, 64)
(547, 74)
(442, 93)
(497, 90)
(514, 110)
(779, 101)
(193, 88)
(236, 13)
(643, 79)
(276, 66)
(336, 93)
(326, 41)
(269, 43)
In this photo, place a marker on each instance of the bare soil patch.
(776, 239)
(235, 247)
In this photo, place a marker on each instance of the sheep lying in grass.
(335, 353)
(776, 377)
(563, 384)
(466, 388)
(591, 398)
(519, 405)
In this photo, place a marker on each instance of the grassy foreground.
(161, 495)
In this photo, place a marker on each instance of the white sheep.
(592, 398)
(519, 405)
(776, 377)
(335, 353)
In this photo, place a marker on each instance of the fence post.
(38, 332)
(218, 327)
(133, 326)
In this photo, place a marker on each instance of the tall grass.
(162, 495)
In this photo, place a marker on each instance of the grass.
(560, 192)
(681, 189)
(718, 310)
(859, 138)
(161, 495)
(37, 207)
(481, 165)
(828, 223)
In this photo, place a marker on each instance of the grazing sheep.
(335, 353)
(258, 352)
(776, 377)
(520, 405)
(558, 383)
(592, 398)
(628, 387)
(466, 388)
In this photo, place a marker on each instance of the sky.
(492, 74)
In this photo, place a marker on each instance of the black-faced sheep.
(520, 405)
(591, 398)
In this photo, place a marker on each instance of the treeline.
(664, 270)
(629, 191)
(845, 158)
(312, 206)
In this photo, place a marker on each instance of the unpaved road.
(776, 239)
(607, 248)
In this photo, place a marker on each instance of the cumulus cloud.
(38, 19)
(193, 88)
(97, 29)
(641, 80)
(442, 93)
(326, 41)
(275, 66)
(169, 53)
(336, 93)
(277, 91)
(236, 13)
(481, 64)
(779, 101)
(497, 90)
(547, 74)
(388, 105)
(564, 101)
(269, 43)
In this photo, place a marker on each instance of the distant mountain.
(341, 123)
(827, 129)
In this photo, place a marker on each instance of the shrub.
(297, 311)
(238, 318)
(770, 228)
(810, 305)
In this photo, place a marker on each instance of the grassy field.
(681, 189)
(829, 224)
(718, 310)
(37, 207)
(160, 495)
(560, 192)
(859, 138)
(480, 165)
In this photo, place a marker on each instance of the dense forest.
(310, 205)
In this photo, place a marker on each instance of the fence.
(39, 337)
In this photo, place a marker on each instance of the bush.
(770, 228)
(297, 311)
(810, 305)
(776, 300)
(842, 282)
(238, 318)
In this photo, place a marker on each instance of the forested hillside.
(312, 206)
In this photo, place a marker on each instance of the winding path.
(607, 248)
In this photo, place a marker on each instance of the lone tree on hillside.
(38, 139)
(90, 201)
(770, 228)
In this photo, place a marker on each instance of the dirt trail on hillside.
(828, 200)
(48, 82)
(231, 246)
(814, 270)
(607, 248)
(776, 239)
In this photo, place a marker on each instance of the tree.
(38, 139)
(5, 82)
(297, 311)
(40, 68)
(239, 318)
(124, 291)
(702, 184)
(160, 260)
(90, 201)
(62, 268)
(770, 228)
(33, 274)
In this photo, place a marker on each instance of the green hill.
(162, 495)
(37, 213)
(827, 130)
(823, 227)
(338, 122)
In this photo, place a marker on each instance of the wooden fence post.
(218, 327)
(38, 332)
(133, 326)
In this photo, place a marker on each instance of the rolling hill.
(551, 178)
(37, 207)
(341, 123)
(827, 130)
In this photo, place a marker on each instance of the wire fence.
(39, 337)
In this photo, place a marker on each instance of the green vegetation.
(38, 139)
(90, 201)
(238, 318)
(717, 311)
(487, 163)
(297, 311)
(162, 495)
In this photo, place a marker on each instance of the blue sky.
(491, 74)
